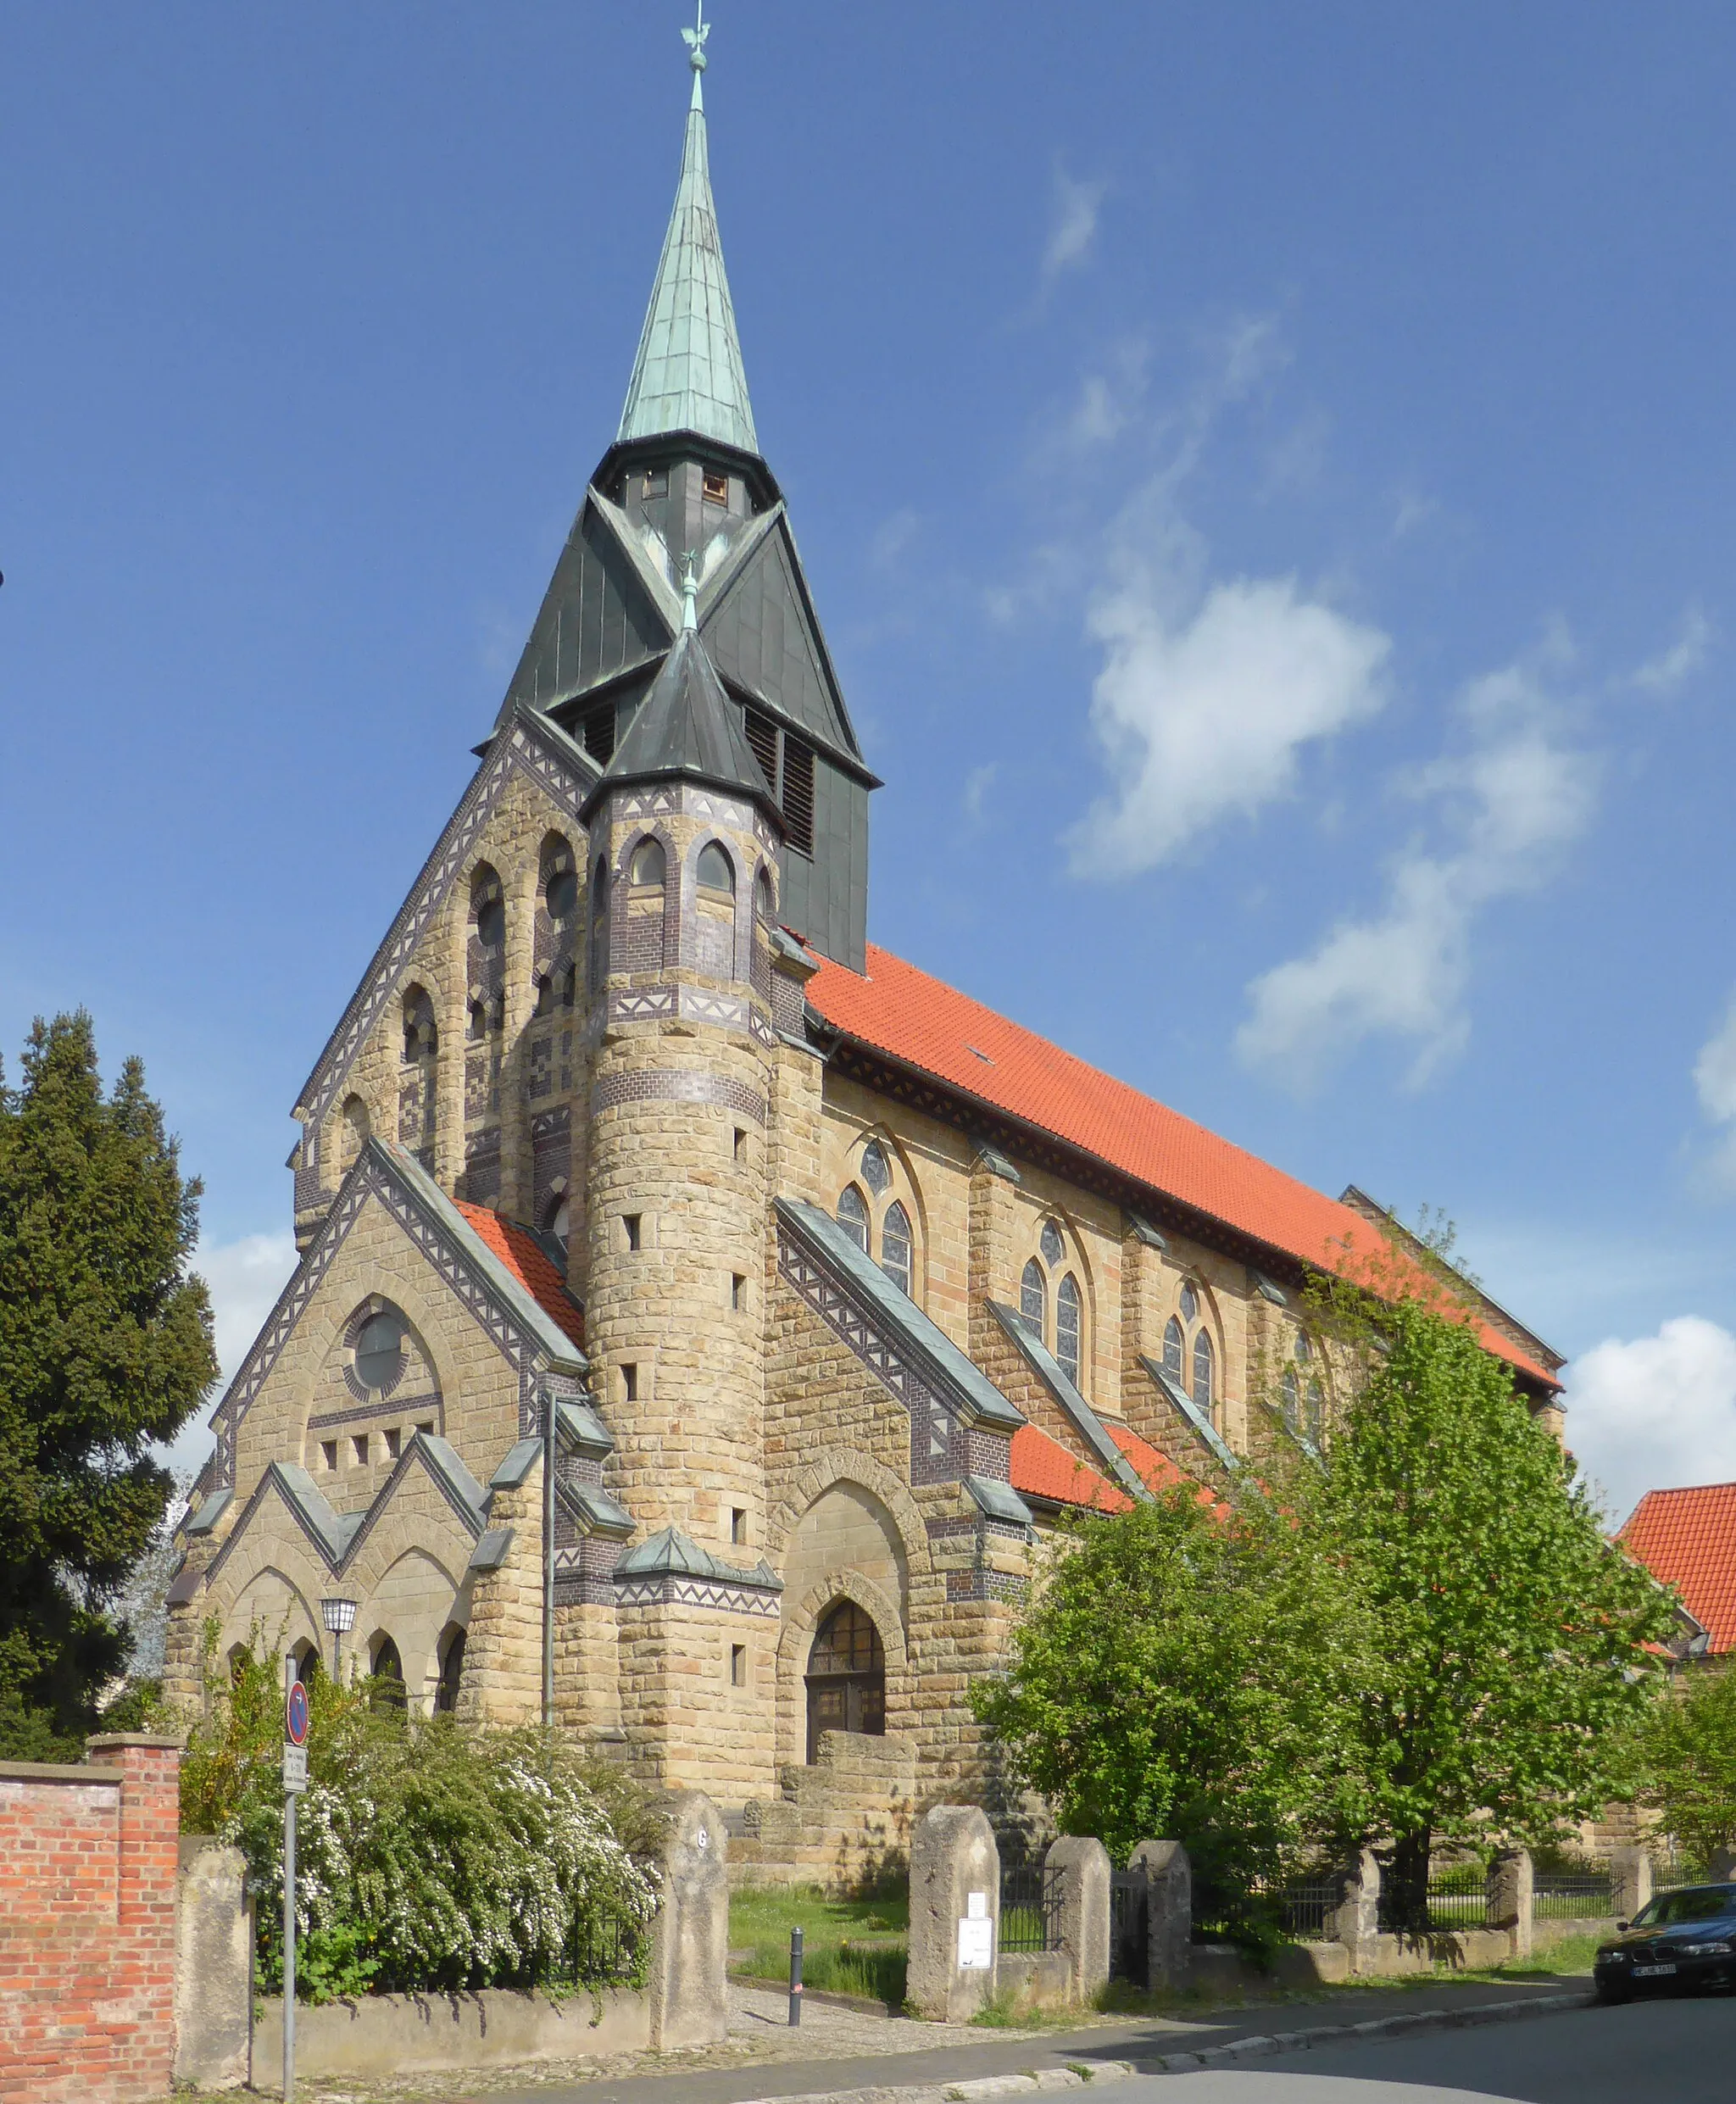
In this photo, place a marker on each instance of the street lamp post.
(340, 1619)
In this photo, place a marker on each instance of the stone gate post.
(1081, 1866)
(955, 1913)
(1169, 1912)
(1357, 1917)
(1630, 1880)
(1510, 1885)
(690, 1936)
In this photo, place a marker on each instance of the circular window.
(1049, 1242)
(490, 924)
(380, 1350)
(1190, 1304)
(562, 893)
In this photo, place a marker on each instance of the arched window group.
(1195, 1370)
(1067, 1339)
(896, 1242)
(556, 947)
(1304, 1398)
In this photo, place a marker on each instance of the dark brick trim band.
(663, 1085)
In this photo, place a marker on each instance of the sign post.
(295, 1781)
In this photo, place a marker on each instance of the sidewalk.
(839, 2049)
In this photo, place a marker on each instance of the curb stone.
(1259, 2047)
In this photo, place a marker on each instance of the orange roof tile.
(1154, 1467)
(1043, 1467)
(523, 1256)
(1688, 1538)
(923, 1023)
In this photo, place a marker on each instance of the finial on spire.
(694, 39)
(690, 592)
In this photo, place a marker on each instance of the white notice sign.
(295, 1769)
(976, 1943)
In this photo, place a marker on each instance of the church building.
(702, 1315)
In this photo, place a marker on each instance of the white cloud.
(1715, 1084)
(1688, 652)
(1203, 713)
(1657, 1412)
(1072, 231)
(245, 1279)
(1509, 806)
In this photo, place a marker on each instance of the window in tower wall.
(1202, 1372)
(796, 800)
(1067, 1326)
(852, 1216)
(895, 1246)
(650, 864)
(1033, 1296)
(715, 870)
(715, 489)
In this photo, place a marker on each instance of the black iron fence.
(1580, 1893)
(1029, 1907)
(1458, 1898)
(1129, 1925)
(1311, 1908)
(606, 1950)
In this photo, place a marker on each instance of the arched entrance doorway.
(846, 1676)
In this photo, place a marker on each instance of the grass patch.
(849, 1946)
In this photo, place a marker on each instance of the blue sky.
(1266, 473)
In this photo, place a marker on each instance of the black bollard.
(795, 1977)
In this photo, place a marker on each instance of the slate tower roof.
(753, 701)
(688, 374)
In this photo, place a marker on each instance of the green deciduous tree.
(105, 1347)
(1185, 1672)
(1509, 1640)
(1689, 1753)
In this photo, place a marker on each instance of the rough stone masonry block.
(1169, 1912)
(213, 1958)
(1512, 1881)
(954, 1880)
(1630, 1880)
(1084, 1868)
(690, 1937)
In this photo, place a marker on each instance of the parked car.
(1686, 1938)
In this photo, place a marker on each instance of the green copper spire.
(688, 374)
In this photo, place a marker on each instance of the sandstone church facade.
(823, 1288)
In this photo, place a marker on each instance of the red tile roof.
(1688, 1538)
(523, 1256)
(922, 1023)
(1154, 1468)
(1043, 1468)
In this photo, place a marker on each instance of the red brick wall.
(87, 1871)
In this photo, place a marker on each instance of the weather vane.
(694, 39)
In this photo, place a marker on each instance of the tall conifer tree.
(105, 1347)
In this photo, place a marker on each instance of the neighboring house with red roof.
(1688, 1539)
(823, 1289)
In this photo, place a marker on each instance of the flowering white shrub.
(428, 1855)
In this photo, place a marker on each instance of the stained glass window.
(1172, 1349)
(1202, 1371)
(1050, 1242)
(1190, 1303)
(853, 1216)
(895, 1246)
(875, 1173)
(1032, 1296)
(1066, 1327)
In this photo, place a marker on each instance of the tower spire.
(688, 374)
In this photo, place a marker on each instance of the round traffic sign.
(295, 1714)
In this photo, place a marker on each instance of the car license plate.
(1651, 1971)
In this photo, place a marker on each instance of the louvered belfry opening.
(788, 765)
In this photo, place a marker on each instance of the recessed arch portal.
(846, 1676)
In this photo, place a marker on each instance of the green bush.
(429, 1857)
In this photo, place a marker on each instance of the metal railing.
(1458, 1898)
(1310, 1907)
(1573, 1895)
(605, 1951)
(1029, 1907)
(1129, 1925)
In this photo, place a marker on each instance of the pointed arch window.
(1172, 1349)
(1292, 1400)
(650, 865)
(451, 1674)
(1067, 1325)
(874, 1173)
(895, 1246)
(1033, 1296)
(355, 1133)
(600, 926)
(1202, 1371)
(852, 1216)
(714, 871)
(1189, 1303)
(1315, 1417)
(1050, 1242)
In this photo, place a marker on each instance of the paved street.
(1659, 2052)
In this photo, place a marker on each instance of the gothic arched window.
(389, 1690)
(1050, 1242)
(1315, 1419)
(600, 926)
(355, 1133)
(1172, 1349)
(1066, 1327)
(1202, 1371)
(560, 883)
(1033, 1296)
(1292, 1400)
(649, 865)
(853, 1216)
(874, 1173)
(714, 871)
(895, 1246)
(1190, 1302)
(451, 1670)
